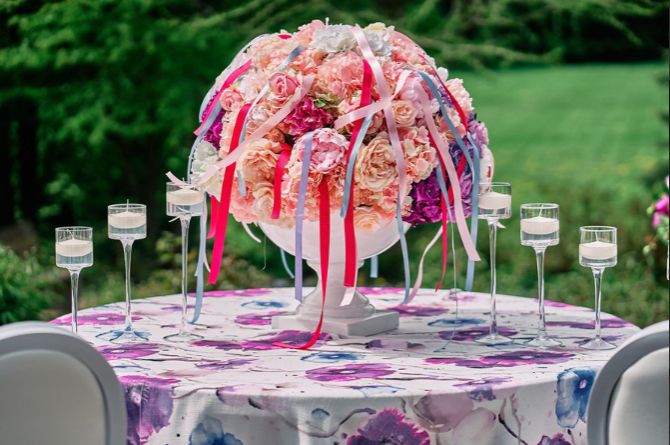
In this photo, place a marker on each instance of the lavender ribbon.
(300, 213)
(349, 178)
(374, 266)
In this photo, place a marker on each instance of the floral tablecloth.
(426, 383)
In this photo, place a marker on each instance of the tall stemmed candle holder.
(127, 223)
(184, 201)
(495, 203)
(74, 251)
(539, 230)
(598, 250)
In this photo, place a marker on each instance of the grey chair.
(629, 402)
(56, 389)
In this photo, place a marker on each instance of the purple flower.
(129, 351)
(149, 405)
(235, 293)
(307, 117)
(507, 359)
(348, 373)
(223, 345)
(558, 439)
(394, 345)
(611, 323)
(213, 135)
(257, 319)
(479, 133)
(574, 390)
(443, 411)
(426, 202)
(471, 334)
(210, 432)
(389, 428)
(419, 311)
(486, 389)
(101, 319)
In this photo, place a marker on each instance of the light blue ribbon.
(374, 266)
(349, 178)
(241, 185)
(285, 263)
(200, 268)
(300, 213)
(474, 221)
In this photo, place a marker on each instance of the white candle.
(539, 225)
(598, 250)
(494, 201)
(185, 197)
(74, 248)
(126, 220)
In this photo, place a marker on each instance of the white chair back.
(630, 398)
(56, 389)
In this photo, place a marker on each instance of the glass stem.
(493, 233)
(598, 279)
(74, 289)
(541, 327)
(185, 222)
(127, 252)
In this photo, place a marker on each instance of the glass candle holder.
(184, 201)
(495, 203)
(598, 250)
(127, 223)
(539, 230)
(74, 252)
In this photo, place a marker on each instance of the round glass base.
(543, 342)
(494, 339)
(125, 336)
(183, 337)
(598, 344)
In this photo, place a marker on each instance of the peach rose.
(420, 155)
(241, 206)
(404, 112)
(258, 162)
(376, 165)
(461, 95)
(366, 220)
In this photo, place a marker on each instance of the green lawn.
(578, 123)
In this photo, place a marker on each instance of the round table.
(426, 383)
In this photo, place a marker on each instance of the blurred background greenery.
(99, 98)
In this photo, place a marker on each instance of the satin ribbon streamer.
(300, 213)
(384, 95)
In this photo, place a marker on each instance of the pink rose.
(259, 160)
(231, 99)
(404, 112)
(662, 205)
(282, 87)
(341, 75)
(305, 32)
(366, 221)
(328, 149)
(376, 165)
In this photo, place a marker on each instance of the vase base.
(380, 321)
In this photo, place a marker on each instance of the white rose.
(334, 39)
(205, 156)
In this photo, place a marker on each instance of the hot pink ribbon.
(261, 131)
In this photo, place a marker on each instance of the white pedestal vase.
(347, 311)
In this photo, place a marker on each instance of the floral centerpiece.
(333, 56)
(336, 119)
